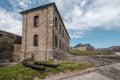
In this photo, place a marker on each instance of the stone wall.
(6, 49)
(61, 33)
(84, 48)
(29, 32)
(18, 55)
(7, 41)
(46, 32)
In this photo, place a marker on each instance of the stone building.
(114, 48)
(84, 47)
(7, 43)
(44, 36)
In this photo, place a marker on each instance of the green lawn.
(19, 72)
(77, 52)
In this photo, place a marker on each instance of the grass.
(79, 52)
(19, 72)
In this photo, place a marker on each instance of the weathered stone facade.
(84, 47)
(53, 38)
(7, 42)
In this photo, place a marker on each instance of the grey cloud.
(82, 15)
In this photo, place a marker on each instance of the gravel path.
(98, 60)
(62, 76)
(110, 72)
(104, 69)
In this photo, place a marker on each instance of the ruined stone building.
(83, 47)
(44, 35)
(7, 43)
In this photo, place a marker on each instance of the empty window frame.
(1, 35)
(63, 33)
(60, 44)
(36, 21)
(56, 42)
(56, 23)
(60, 28)
(35, 40)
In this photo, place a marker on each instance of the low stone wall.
(58, 55)
(6, 49)
(18, 56)
(17, 47)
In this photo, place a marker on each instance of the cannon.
(44, 64)
(33, 66)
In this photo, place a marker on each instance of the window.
(63, 46)
(36, 40)
(63, 33)
(60, 29)
(56, 23)
(56, 41)
(36, 21)
(1, 35)
(60, 44)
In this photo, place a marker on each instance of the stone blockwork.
(7, 41)
(53, 38)
(18, 55)
(83, 47)
(13, 38)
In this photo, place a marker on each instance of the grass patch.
(93, 52)
(19, 72)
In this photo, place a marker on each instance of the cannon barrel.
(42, 68)
(41, 63)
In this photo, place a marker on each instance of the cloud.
(83, 3)
(79, 16)
(83, 15)
(19, 5)
(10, 19)
(9, 22)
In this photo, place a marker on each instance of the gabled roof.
(37, 8)
(82, 45)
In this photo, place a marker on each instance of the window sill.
(35, 26)
(35, 46)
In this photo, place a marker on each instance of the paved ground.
(110, 72)
(100, 60)
(105, 68)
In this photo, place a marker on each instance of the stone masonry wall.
(7, 41)
(63, 36)
(45, 14)
(46, 32)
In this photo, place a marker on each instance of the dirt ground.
(99, 60)
(105, 67)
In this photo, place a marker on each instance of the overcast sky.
(88, 21)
